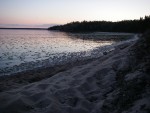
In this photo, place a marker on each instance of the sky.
(45, 12)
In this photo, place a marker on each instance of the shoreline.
(63, 58)
(109, 84)
(8, 82)
(16, 80)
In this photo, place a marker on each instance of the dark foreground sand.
(23, 78)
(109, 84)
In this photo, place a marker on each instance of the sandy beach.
(74, 56)
(102, 85)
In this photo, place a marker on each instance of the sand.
(91, 87)
(23, 78)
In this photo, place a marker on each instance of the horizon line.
(27, 28)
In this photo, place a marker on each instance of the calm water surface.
(22, 50)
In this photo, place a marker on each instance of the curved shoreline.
(110, 84)
(61, 59)
(26, 77)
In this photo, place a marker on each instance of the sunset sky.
(37, 12)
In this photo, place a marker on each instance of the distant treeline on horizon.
(133, 26)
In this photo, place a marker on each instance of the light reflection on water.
(21, 48)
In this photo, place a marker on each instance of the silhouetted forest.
(133, 26)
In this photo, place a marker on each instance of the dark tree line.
(134, 26)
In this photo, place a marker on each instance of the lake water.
(22, 50)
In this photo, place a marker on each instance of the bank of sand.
(103, 85)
